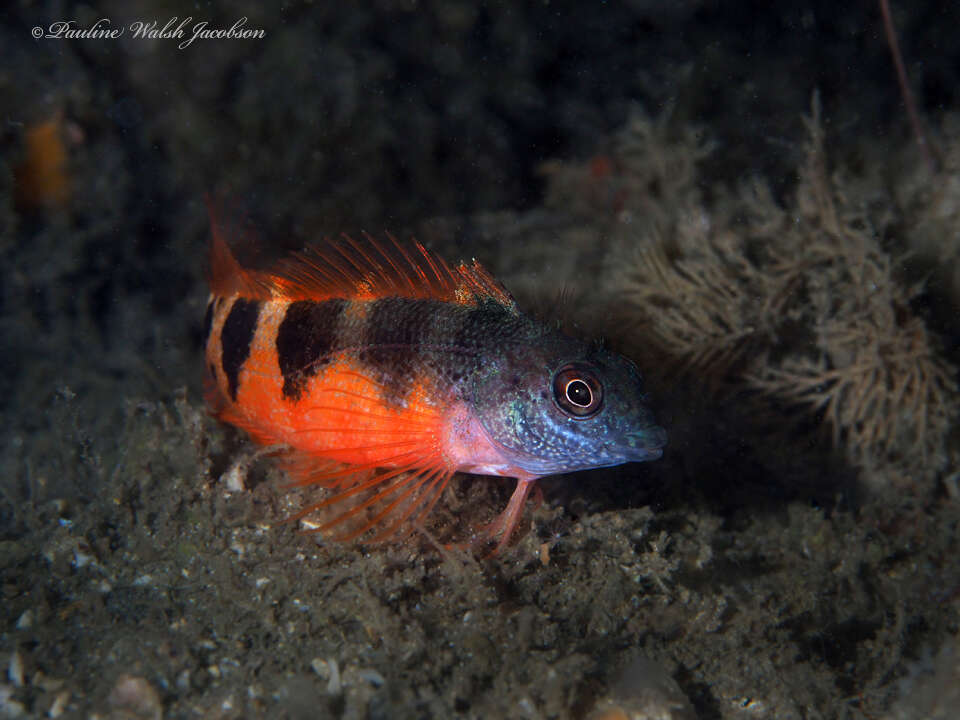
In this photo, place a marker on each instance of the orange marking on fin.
(373, 264)
(431, 264)
(402, 277)
(439, 491)
(418, 509)
(379, 447)
(355, 489)
(411, 262)
(396, 481)
(418, 479)
(290, 283)
(411, 498)
(349, 269)
(380, 516)
(225, 274)
(336, 263)
(446, 268)
(412, 510)
(484, 284)
(380, 496)
(352, 269)
(306, 470)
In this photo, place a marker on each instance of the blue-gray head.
(560, 405)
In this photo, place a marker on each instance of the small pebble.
(10, 708)
(59, 705)
(371, 676)
(644, 691)
(15, 669)
(137, 697)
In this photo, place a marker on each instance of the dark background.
(375, 116)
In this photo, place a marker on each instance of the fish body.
(386, 371)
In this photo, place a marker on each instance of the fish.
(383, 370)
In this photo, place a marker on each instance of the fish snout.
(645, 444)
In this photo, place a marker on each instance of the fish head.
(565, 406)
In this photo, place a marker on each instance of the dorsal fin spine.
(416, 268)
(388, 282)
(432, 264)
(400, 275)
(226, 275)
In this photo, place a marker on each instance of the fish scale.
(304, 341)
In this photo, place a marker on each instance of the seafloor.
(736, 198)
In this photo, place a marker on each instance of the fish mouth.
(646, 444)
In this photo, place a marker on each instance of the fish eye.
(577, 391)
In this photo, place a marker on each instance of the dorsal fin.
(368, 269)
(353, 269)
(225, 274)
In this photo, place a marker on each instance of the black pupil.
(578, 392)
